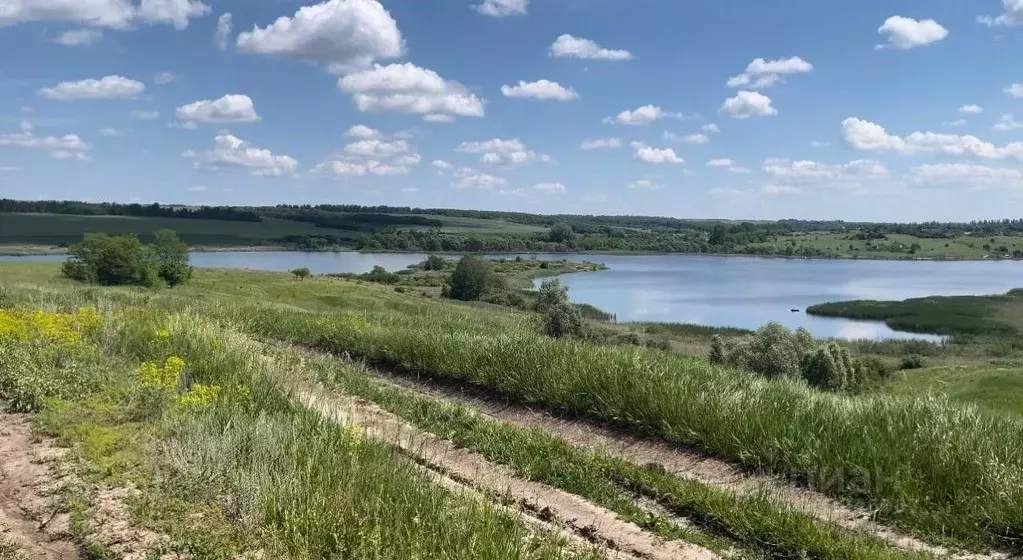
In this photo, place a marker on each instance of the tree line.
(155, 210)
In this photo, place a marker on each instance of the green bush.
(434, 262)
(472, 278)
(873, 368)
(563, 320)
(829, 367)
(773, 351)
(302, 273)
(120, 260)
(912, 362)
(171, 256)
(717, 350)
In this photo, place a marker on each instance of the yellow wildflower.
(200, 396)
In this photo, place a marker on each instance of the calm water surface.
(721, 291)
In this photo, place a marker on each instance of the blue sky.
(875, 110)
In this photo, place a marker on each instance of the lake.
(721, 291)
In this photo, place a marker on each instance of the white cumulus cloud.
(647, 154)
(79, 37)
(231, 108)
(869, 136)
(498, 151)
(109, 87)
(231, 151)
(222, 36)
(407, 88)
(711, 127)
(747, 104)
(543, 90)
(601, 143)
(1015, 90)
(762, 73)
(1013, 15)
(567, 46)
(60, 147)
(502, 8)
(642, 115)
(688, 139)
(1008, 123)
(550, 188)
(344, 34)
(971, 109)
(908, 33)
(362, 131)
(339, 168)
(115, 14)
(377, 148)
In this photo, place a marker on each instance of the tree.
(171, 257)
(302, 273)
(551, 293)
(434, 262)
(563, 320)
(111, 261)
(562, 232)
(471, 279)
(718, 233)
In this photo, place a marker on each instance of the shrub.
(171, 256)
(830, 367)
(912, 362)
(111, 261)
(551, 293)
(564, 321)
(471, 279)
(873, 368)
(380, 275)
(773, 351)
(302, 273)
(717, 350)
(434, 262)
(399, 290)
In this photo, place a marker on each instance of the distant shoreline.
(39, 250)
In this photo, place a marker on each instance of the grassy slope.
(249, 471)
(959, 248)
(833, 440)
(756, 522)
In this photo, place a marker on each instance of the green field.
(61, 229)
(841, 246)
(457, 224)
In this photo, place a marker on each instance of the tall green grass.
(293, 484)
(955, 315)
(940, 469)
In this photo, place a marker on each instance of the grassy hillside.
(935, 467)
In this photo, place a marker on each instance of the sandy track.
(680, 462)
(31, 518)
(545, 505)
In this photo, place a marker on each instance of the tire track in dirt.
(679, 462)
(30, 517)
(573, 516)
